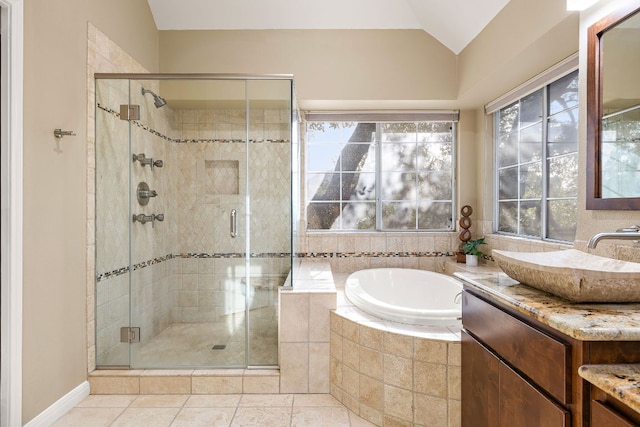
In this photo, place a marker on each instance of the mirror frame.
(594, 113)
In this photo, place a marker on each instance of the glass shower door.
(112, 279)
(188, 287)
(269, 196)
(193, 219)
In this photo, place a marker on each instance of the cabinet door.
(522, 405)
(603, 416)
(543, 359)
(480, 381)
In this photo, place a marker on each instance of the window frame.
(545, 120)
(451, 118)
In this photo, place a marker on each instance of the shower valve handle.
(145, 194)
(144, 161)
(142, 218)
(158, 217)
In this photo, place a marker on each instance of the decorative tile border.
(270, 255)
(151, 262)
(373, 254)
(191, 141)
(191, 255)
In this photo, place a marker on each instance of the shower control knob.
(142, 218)
(158, 217)
(158, 163)
(138, 157)
(144, 193)
(147, 193)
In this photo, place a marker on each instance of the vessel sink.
(574, 275)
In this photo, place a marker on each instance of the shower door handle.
(234, 223)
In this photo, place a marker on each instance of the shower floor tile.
(182, 345)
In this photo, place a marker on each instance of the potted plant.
(470, 248)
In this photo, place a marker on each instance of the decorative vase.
(472, 260)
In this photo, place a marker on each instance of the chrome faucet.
(458, 298)
(626, 233)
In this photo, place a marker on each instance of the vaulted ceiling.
(454, 23)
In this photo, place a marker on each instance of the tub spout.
(458, 298)
(627, 233)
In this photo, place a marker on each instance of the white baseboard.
(60, 407)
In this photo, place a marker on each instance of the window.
(365, 175)
(537, 162)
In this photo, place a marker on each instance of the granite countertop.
(586, 322)
(619, 381)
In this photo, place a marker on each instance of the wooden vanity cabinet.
(518, 372)
(495, 395)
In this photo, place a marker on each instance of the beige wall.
(331, 68)
(55, 201)
(524, 39)
(468, 164)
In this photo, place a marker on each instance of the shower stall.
(195, 190)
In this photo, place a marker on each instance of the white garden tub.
(404, 295)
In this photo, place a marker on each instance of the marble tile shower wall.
(211, 137)
(204, 140)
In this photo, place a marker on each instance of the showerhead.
(158, 101)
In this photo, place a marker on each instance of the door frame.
(11, 139)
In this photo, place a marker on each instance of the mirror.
(613, 111)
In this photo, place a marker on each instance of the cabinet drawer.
(539, 356)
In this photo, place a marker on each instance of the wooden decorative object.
(465, 234)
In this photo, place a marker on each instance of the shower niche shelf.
(222, 177)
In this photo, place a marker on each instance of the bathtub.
(404, 295)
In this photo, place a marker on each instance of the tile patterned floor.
(231, 410)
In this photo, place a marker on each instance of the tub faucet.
(458, 298)
(626, 233)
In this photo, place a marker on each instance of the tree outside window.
(379, 175)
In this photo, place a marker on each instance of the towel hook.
(59, 133)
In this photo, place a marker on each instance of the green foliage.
(471, 247)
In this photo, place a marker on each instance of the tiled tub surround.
(304, 338)
(393, 374)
